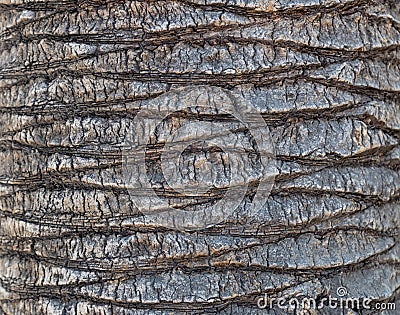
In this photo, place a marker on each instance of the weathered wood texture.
(325, 77)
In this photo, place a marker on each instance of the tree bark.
(324, 76)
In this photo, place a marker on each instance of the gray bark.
(323, 74)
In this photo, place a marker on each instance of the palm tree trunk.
(324, 77)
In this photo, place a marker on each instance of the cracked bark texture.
(73, 74)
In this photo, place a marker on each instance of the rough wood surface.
(324, 75)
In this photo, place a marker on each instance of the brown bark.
(324, 75)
